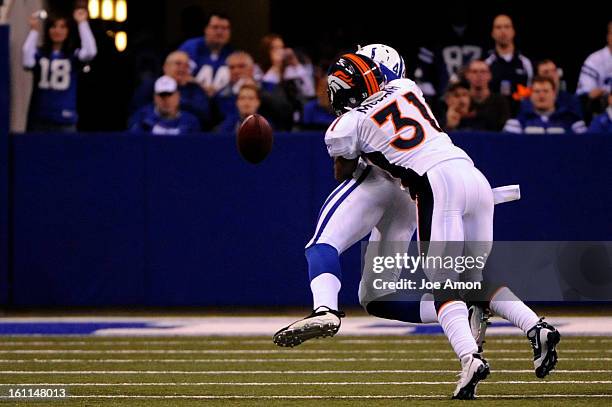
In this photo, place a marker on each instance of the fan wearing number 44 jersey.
(391, 126)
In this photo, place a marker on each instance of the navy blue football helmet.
(352, 79)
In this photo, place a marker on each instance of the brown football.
(254, 138)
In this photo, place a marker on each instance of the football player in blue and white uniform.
(370, 201)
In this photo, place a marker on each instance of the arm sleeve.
(589, 77)
(529, 69)
(305, 78)
(29, 50)
(189, 49)
(197, 103)
(513, 126)
(271, 77)
(88, 49)
(579, 127)
(341, 138)
(425, 71)
(596, 125)
(134, 122)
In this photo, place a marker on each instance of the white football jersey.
(395, 130)
(596, 72)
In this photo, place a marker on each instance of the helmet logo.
(337, 81)
(344, 78)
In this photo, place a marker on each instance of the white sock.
(325, 288)
(453, 318)
(508, 306)
(428, 309)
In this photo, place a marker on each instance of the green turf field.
(377, 371)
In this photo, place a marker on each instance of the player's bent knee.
(323, 258)
(392, 307)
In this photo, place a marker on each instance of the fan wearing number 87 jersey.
(55, 68)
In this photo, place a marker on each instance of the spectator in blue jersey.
(208, 54)
(545, 118)
(193, 99)
(511, 71)
(565, 100)
(248, 102)
(318, 114)
(53, 106)
(164, 116)
(603, 122)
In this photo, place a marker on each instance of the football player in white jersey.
(391, 126)
(371, 201)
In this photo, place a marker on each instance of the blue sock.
(323, 258)
(325, 275)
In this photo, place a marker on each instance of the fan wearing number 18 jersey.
(55, 66)
(391, 126)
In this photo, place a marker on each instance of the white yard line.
(264, 384)
(270, 351)
(278, 372)
(206, 341)
(94, 342)
(273, 360)
(323, 397)
(443, 339)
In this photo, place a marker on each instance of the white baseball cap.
(165, 84)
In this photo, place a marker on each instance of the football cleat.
(475, 370)
(479, 321)
(544, 339)
(321, 323)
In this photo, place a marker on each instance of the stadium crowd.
(207, 85)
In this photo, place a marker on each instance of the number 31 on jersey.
(392, 112)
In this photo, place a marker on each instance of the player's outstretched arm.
(344, 168)
(89, 49)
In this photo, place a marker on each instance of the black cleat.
(321, 323)
(544, 339)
